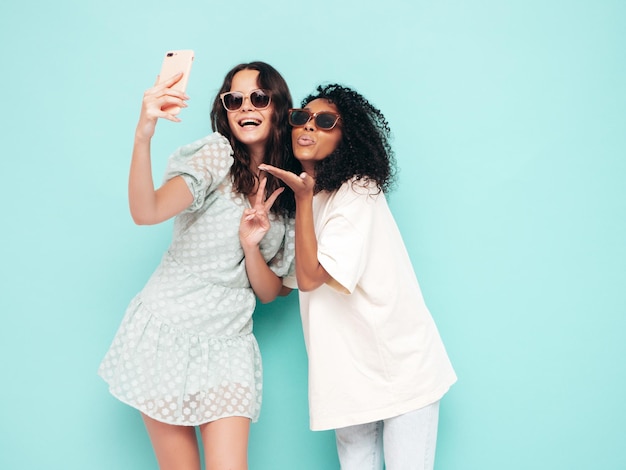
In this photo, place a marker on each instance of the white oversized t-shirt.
(374, 352)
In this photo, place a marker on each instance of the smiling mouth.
(249, 122)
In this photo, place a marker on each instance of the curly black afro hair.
(364, 151)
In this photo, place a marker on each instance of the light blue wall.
(510, 132)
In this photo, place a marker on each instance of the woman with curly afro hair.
(377, 365)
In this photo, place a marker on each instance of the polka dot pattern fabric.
(185, 353)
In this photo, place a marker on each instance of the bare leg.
(176, 447)
(226, 443)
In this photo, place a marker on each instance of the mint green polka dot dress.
(184, 353)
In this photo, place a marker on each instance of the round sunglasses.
(324, 120)
(233, 100)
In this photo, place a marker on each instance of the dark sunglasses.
(324, 120)
(233, 100)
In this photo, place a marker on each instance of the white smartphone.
(175, 62)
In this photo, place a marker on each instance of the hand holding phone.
(174, 63)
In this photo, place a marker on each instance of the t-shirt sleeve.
(203, 164)
(344, 236)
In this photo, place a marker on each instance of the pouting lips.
(305, 140)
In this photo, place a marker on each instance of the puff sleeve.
(203, 164)
(283, 264)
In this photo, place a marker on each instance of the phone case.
(175, 62)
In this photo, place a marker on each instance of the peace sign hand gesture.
(255, 221)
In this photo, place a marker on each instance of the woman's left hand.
(302, 184)
(255, 221)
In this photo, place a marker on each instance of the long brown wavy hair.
(278, 151)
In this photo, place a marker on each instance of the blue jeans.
(405, 442)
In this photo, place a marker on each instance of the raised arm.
(147, 205)
(309, 272)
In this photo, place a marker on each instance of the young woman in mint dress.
(184, 354)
